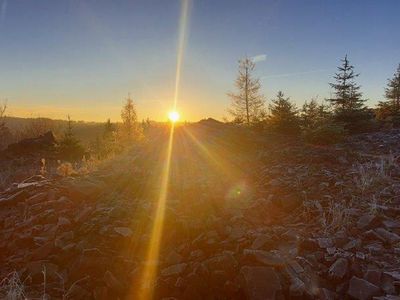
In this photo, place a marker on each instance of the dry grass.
(369, 181)
(373, 179)
(332, 217)
(369, 174)
(5, 175)
(86, 166)
(65, 169)
(12, 288)
(335, 216)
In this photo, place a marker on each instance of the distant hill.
(210, 122)
(85, 131)
(31, 127)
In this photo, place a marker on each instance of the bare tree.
(5, 134)
(3, 108)
(248, 105)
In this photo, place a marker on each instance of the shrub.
(388, 115)
(313, 114)
(356, 121)
(362, 126)
(65, 169)
(70, 148)
(325, 134)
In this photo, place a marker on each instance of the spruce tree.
(348, 104)
(70, 147)
(392, 91)
(313, 114)
(283, 115)
(108, 143)
(248, 105)
(129, 120)
(108, 129)
(391, 107)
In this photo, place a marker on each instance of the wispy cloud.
(3, 9)
(258, 58)
(295, 73)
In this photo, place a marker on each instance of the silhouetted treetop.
(283, 114)
(248, 104)
(347, 91)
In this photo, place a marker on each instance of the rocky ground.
(26, 158)
(274, 220)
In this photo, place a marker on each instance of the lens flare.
(173, 116)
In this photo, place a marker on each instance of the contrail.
(295, 73)
(3, 9)
(260, 57)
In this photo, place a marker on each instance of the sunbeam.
(181, 46)
(146, 290)
(217, 160)
(146, 286)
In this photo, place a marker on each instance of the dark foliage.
(283, 116)
(325, 134)
(70, 148)
(348, 104)
(389, 110)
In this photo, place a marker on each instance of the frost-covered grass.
(12, 288)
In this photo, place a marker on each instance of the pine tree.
(70, 147)
(348, 103)
(391, 107)
(392, 91)
(248, 105)
(313, 114)
(108, 129)
(109, 144)
(283, 115)
(129, 119)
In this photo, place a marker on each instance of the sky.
(83, 57)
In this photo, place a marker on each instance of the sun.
(173, 116)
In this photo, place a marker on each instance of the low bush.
(325, 134)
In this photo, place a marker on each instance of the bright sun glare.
(173, 116)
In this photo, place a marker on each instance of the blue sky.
(82, 57)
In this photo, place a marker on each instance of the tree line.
(344, 112)
(114, 138)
